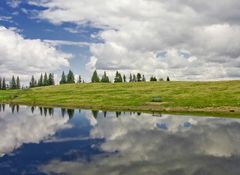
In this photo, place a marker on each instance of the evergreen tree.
(168, 79)
(40, 81)
(118, 78)
(79, 79)
(13, 84)
(0, 83)
(143, 78)
(134, 78)
(139, 77)
(45, 80)
(4, 86)
(51, 79)
(32, 82)
(105, 78)
(70, 77)
(18, 86)
(153, 78)
(63, 79)
(130, 78)
(124, 79)
(95, 77)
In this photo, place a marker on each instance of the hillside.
(203, 97)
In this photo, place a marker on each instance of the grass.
(196, 97)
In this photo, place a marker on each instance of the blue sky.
(186, 40)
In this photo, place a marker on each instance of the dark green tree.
(40, 81)
(32, 83)
(143, 78)
(70, 77)
(168, 79)
(139, 77)
(63, 79)
(153, 78)
(51, 81)
(105, 78)
(4, 86)
(130, 78)
(118, 78)
(95, 77)
(79, 79)
(0, 83)
(13, 84)
(124, 79)
(134, 78)
(45, 80)
(18, 85)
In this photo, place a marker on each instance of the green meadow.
(221, 97)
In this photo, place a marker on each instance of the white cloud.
(36, 128)
(135, 31)
(25, 57)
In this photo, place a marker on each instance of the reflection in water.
(95, 142)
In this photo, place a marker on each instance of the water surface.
(37, 140)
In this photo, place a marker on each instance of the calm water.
(60, 141)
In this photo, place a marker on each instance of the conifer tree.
(18, 86)
(0, 83)
(13, 83)
(105, 78)
(143, 78)
(139, 77)
(95, 77)
(124, 79)
(32, 82)
(79, 79)
(51, 79)
(118, 78)
(130, 78)
(45, 80)
(168, 79)
(63, 79)
(70, 77)
(134, 78)
(4, 86)
(40, 81)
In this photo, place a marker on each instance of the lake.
(36, 140)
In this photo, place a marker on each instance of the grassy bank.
(197, 97)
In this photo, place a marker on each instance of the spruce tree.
(79, 79)
(168, 79)
(139, 77)
(32, 82)
(124, 79)
(18, 86)
(130, 78)
(95, 77)
(13, 83)
(105, 78)
(118, 78)
(51, 79)
(70, 77)
(143, 78)
(45, 80)
(134, 78)
(0, 83)
(4, 86)
(63, 79)
(40, 81)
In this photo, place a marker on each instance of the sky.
(183, 39)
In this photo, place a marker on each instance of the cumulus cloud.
(36, 128)
(24, 57)
(159, 145)
(135, 31)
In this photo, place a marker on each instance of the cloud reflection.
(137, 145)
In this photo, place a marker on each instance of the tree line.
(14, 83)
(46, 79)
(122, 78)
